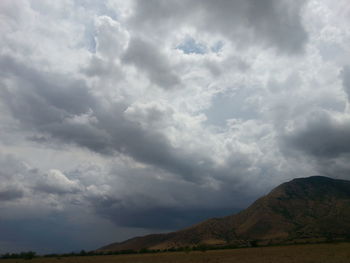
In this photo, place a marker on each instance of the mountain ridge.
(303, 209)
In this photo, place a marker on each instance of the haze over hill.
(306, 209)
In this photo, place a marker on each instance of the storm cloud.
(268, 22)
(322, 136)
(129, 117)
(147, 58)
(346, 80)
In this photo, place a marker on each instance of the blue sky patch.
(191, 46)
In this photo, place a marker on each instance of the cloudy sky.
(121, 118)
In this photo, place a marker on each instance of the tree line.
(31, 254)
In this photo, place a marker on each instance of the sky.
(122, 118)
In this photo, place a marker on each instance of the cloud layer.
(129, 117)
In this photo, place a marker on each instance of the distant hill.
(303, 210)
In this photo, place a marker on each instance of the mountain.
(303, 210)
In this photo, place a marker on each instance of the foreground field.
(317, 253)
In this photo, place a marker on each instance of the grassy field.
(316, 253)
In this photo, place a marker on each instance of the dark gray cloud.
(109, 129)
(18, 180)
(268, 22)
(37, 235)
(322, 137)
(150, 198)
(57, 234)
(162, 218)
(99, 67)
(164, 204)
(64, 109)
(345, 74)
(41, 211)
(10, 193)
(12, 177)
(10, 167)
(147, 57)
(42, 98)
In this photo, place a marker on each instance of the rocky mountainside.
(303, 210)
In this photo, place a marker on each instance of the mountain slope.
(313, 208)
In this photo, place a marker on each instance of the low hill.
(305, 209)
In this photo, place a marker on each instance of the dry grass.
(316, 253)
